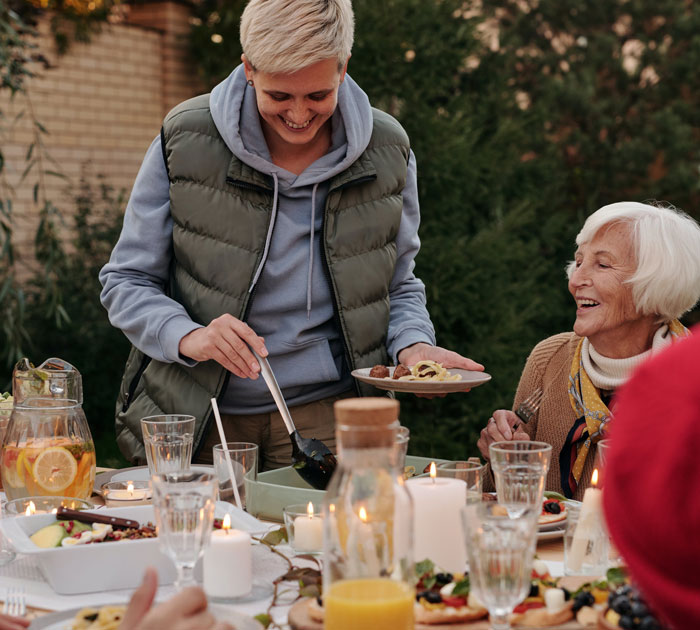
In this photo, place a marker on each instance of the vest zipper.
(134, 382)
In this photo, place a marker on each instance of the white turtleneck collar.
(606, 373)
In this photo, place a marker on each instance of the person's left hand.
(447, 358)
(7, 622)
(185, 611)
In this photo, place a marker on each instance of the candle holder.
(304, 524)
(42, 505)
(586, 545)
(126, 493)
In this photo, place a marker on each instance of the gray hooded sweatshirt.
(292, 307)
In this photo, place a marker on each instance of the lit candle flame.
(310, 509)
(31, 509)
(130, 489)
(594, 478)
(363, 514)
(331, 508)
(227, 522)
(54, 511)
(433, 471)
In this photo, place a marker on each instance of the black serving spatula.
(311, 458)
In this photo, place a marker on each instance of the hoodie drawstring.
(268, 238)
(311, 251)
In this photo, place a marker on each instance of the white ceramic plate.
(550, 533)
(469, 379)
(545, 527)
(61, 620)
(135, 473)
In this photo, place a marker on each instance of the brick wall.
(102, 105)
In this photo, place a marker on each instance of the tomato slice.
(521, 608)
(454, 600)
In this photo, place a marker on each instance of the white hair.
(667, 246)
(284, 36)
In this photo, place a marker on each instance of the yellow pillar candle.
(370, 604)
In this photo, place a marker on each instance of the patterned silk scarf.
(592, 413)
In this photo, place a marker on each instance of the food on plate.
(547, 604)
(426, 370)
(553, 511)
(591, 596)
(627, 608)
(70, 533)
(105, 618)
(53, 535)
(400, 371)
(441, 598)
(57, 466)
(379, 371)
(444, 597)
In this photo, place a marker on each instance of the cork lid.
(366, 422)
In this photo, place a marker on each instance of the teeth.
(289, 123)
(586, 302)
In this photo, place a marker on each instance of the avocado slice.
(49, 536)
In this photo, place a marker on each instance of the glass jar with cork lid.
(368, 523)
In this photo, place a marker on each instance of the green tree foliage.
(525, 116)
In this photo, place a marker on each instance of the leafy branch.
(308, 579)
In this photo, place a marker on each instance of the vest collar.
(240, 174)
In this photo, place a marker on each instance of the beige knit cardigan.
(548, 367)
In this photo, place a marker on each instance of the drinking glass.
(184, 509)
(469, 472)
(168, 442)
(244, 460)
(500, 551)
(520, 469)
(403, 435)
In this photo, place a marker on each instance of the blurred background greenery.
(524, 117)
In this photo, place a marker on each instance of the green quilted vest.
(221, 210)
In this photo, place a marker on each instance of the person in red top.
(650, 496)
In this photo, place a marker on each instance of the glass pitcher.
(48, 449)
(368, 571)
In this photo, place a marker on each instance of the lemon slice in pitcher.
(54, 469)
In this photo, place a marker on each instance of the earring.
(250, 82)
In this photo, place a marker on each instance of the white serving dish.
(105, 566)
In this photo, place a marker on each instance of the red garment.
(651, 495)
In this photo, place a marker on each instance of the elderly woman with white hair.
(635, 272)
(280, 214)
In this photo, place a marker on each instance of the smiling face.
(605, 309)
(295, 107)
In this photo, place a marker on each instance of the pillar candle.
(308, 531)
(589, 524)
(228, 564)
(437, 524)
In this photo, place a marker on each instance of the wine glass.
(500, 551)
(520, 469)
(184, 508)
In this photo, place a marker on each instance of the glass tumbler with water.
(184, 509)
(500, 550)
(168, 442)
(520, 469)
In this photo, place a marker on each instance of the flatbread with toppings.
(553, 511)
(546, 604)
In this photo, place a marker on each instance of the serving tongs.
(311, 458)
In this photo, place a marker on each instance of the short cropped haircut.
(667, 246)
(284, 36)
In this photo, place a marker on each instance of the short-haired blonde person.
(635, 272)
(278, 213)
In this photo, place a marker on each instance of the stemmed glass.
(520, 469)
(500, 551)
(184, 508)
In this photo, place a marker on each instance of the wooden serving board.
(299, 618)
